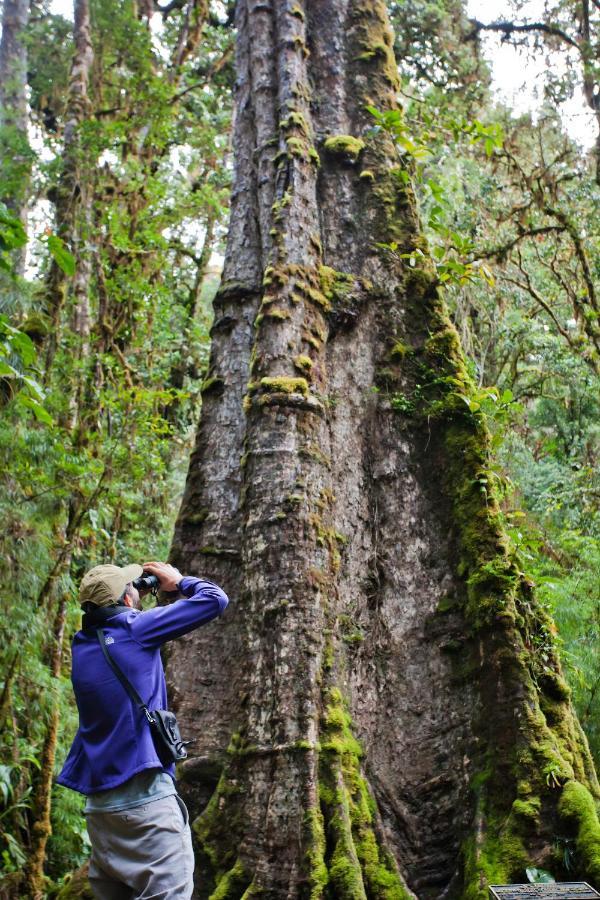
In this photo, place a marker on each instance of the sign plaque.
(568, 890)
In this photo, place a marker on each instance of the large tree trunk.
(341, 491)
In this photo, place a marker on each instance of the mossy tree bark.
(33, 886)
(381, 712)
(15, 152)
(142, 149)
(81, 198)
(73, 196)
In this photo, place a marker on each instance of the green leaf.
(6, 371)
(41, 414)
(24, 346)
(539, 876)
(437, 190)
(35, 389)
(12, 233)
(62, 257)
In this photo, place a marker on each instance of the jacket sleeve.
(201, 602)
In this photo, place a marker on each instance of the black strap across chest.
(129, 688)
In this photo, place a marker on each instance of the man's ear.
(128, 601)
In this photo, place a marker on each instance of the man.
(138, 825)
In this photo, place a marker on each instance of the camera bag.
(163, 725)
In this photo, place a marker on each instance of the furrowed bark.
(373, 717)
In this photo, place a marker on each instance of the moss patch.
(315, 855)
(335, 285)
(375, 43)
(296, 120)
(271, 312)
(198, 517)
(359, 866)
(232, 884)
(304, 363)
(77, 886)
(400, 351)
(578, 808)
(312, 293)
(345, 146)
(500, 859)
(311, 339)
(213, 833)
(285, 385)
(299, 147)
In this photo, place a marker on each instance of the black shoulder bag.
(164, 729)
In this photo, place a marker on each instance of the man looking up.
(137, 823)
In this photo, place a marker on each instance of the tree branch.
(165, 10)
(508, 28)
(501, 251)
(580, 251)
(213, 70)
(528, 288)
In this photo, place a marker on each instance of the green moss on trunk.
(518, 790)
(315, 855)
(233, 884)
(285, 385)
(345, 857)
(217, 829)
(359, 866)
(77, 886)
(578, 808)
(345, 146)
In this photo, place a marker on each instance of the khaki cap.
(104, 585)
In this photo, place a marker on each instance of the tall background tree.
(15, 152)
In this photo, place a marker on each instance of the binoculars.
(146, 583)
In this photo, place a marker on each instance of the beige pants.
(144, 853)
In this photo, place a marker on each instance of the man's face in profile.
(134, 596)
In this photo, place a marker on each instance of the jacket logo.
(109, 640)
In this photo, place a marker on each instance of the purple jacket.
(113, 742)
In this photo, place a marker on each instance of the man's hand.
(168, 576)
